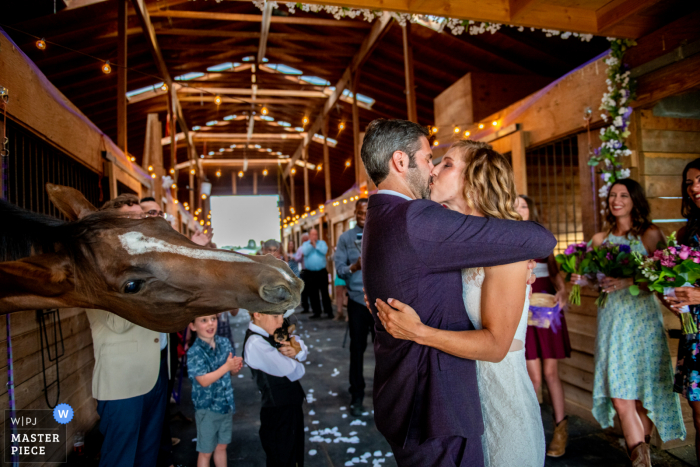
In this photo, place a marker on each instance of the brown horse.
(138, 268)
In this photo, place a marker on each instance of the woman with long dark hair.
(688, 365)
(544, 347)
(633, 370)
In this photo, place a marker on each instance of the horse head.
(139, 268)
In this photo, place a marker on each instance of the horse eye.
(133, 286)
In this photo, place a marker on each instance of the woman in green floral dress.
(633, 370)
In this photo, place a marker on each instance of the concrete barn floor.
(330, 439)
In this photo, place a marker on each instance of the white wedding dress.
(513, 432)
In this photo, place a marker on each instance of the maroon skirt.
(544, 343)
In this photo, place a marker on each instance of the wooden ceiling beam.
(613, 13)
(518, 8)
(149, 33)
(215, 16)
(278, 36)
(379, 28)
(264, 31)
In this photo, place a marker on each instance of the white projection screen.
(237, 219)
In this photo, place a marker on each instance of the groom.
(426, 402)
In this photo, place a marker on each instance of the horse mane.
(24, 233)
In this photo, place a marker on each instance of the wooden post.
(234, 188)
(518, 144)
(153, 153)
(356, 128)
(255, 183)
(192, 190)
(590, 217)
(306, 177)
(292, 190)
(408, 71)
(173, 128)
(122, 24)
(109, 171)
(326, 164)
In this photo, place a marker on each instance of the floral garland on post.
(621, 91)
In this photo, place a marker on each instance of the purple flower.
(608, 256)
(625, 248)
(627, 114)
(570, 249)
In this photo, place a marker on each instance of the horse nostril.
(276, 294)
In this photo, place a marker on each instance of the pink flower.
(684, 253)
(696, 260)
(672, 250)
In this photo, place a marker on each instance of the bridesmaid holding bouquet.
(687, 378)
(633, 370)
(544, 347)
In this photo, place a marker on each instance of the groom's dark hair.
(383, 138)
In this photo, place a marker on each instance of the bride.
(475, 180)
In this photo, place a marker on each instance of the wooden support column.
(234, 187)
(173, 130)
(255, 183)
(292, 193)
(153, 154)
(326, 163)
(518, 141)
(110, 173)
(193, 206)
(590, 217)
(306, 177)
(122, 24)
(356, 129)
(408, 71)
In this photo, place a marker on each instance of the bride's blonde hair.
(489, 184)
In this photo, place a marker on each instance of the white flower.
(604, 117)
(291, 6)
(624, 173)
(605, 176)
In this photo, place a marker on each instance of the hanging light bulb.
(435, 143)
(164, 87)
(153, 175)
(204, 196)
(174, 186)
(150, 168)
(347, 163)
(41, 44)
(218, 173)
(201, 222)
(264, 172)
(435, 129)
(240, 174)
(217, 100)
(319, 167)
(457, 130)
(481, 126)
(341, 127)
(467, 133)
(291, 210)
(494, 123)
(305, 120)
(294, 171)
(192, 171)
(172, 171)
(106, 68)
(307, 208)
(175, 201)
(264, 111)
(133, 159)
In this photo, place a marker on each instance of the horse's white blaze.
(136, 243)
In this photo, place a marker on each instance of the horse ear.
(69, 201)
(36, 282)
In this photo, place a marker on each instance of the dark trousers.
(317, 282)
(305, 292)
(449, 451)
(132, 427)
(282, 435)
(165, 455)
(360, 323)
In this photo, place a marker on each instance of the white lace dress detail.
(513, 432)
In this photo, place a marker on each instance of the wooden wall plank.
(582, 324)
(582, 343)
(651, 122)
(575, 376)
(670, 141)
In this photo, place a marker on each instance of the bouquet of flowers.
(674, 266)
(576, 259)
(616, 261)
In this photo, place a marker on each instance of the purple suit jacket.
(414, 251)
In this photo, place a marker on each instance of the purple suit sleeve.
(446, 240)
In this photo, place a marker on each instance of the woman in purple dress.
(544, 347)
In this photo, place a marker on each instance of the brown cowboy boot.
(557, 447)
(641, 456)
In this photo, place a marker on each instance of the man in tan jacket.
(129, 380)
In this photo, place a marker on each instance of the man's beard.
(419, 186)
